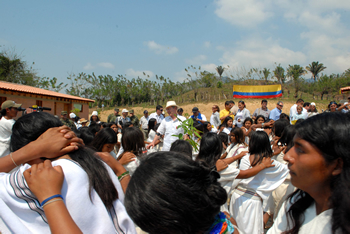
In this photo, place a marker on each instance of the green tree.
(279, 74)
(266, 72)
(295, 72)
(50, 84)
(79, 85)
(14, 69)
(315, 68)
(194, 79)
(220, 71)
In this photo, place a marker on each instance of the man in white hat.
(9, 111)
(121, 120)
(168, 127)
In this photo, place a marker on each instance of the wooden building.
(29, 96)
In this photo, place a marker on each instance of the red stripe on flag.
(267, 96)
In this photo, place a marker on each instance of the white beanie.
(94, 113)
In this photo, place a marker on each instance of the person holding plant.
(169, 127)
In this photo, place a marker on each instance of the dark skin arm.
(265, 163)
(116, 166)
(45, 181)
(56, 141)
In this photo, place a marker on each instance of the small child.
(248, 122)
(298, 115)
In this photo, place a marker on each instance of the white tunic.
(227, 177)
(150, 138)
(313, 223)
(235, 150)
(5, 135)
(20, 211)
(247, 211)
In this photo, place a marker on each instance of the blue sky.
(164, 37)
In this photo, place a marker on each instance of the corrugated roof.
(34, 90)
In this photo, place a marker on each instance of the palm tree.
(279, 74)
(315, 68)
(220, 70)
(295, 72)
(266, 73)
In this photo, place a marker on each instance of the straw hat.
(170, 104)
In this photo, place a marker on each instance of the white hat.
(72, 115)
(94, 113)
(125, 111)
(312, 104)
(170, 103)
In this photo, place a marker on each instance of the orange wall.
(28, 101)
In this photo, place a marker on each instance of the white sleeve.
(204, 118)
(161, 128)
(280, 223)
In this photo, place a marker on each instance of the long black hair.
(287, 137)
(259, 146)
(132, 140)
(178, 195)
(210, 149)
(104, 136)
(151, 124)
(183, 147)
(279, 126)
(330, 134)
(224, 124)
(238, 135)
(29, 127)
(258, 117)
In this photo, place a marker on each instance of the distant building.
(29, 96)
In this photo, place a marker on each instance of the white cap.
(312, 104)
(94, 113)
(72, 115)
(125, 111)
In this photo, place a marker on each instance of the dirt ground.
(205, 108)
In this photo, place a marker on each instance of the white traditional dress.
(284, 190)
(313, 223)
(235, 150)
(227, 177)
(20, 211)
(247, 199)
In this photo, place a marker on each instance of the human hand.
(278, 150)
(44, 180)
(240, 155)
(266, 163)
(150, 145)
(127, 157)
(221, 165)
(55, 142)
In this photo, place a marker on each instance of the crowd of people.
(252, 173)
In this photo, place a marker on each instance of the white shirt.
(5, 135)
(168, 127)
(293, 111)
(313, 223)
(154, 115)
(144, 122)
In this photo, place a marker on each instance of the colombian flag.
(257, 91)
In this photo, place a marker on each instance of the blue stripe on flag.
(257, 94)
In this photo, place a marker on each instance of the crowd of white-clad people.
(259, 172)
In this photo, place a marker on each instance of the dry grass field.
(205, 108)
